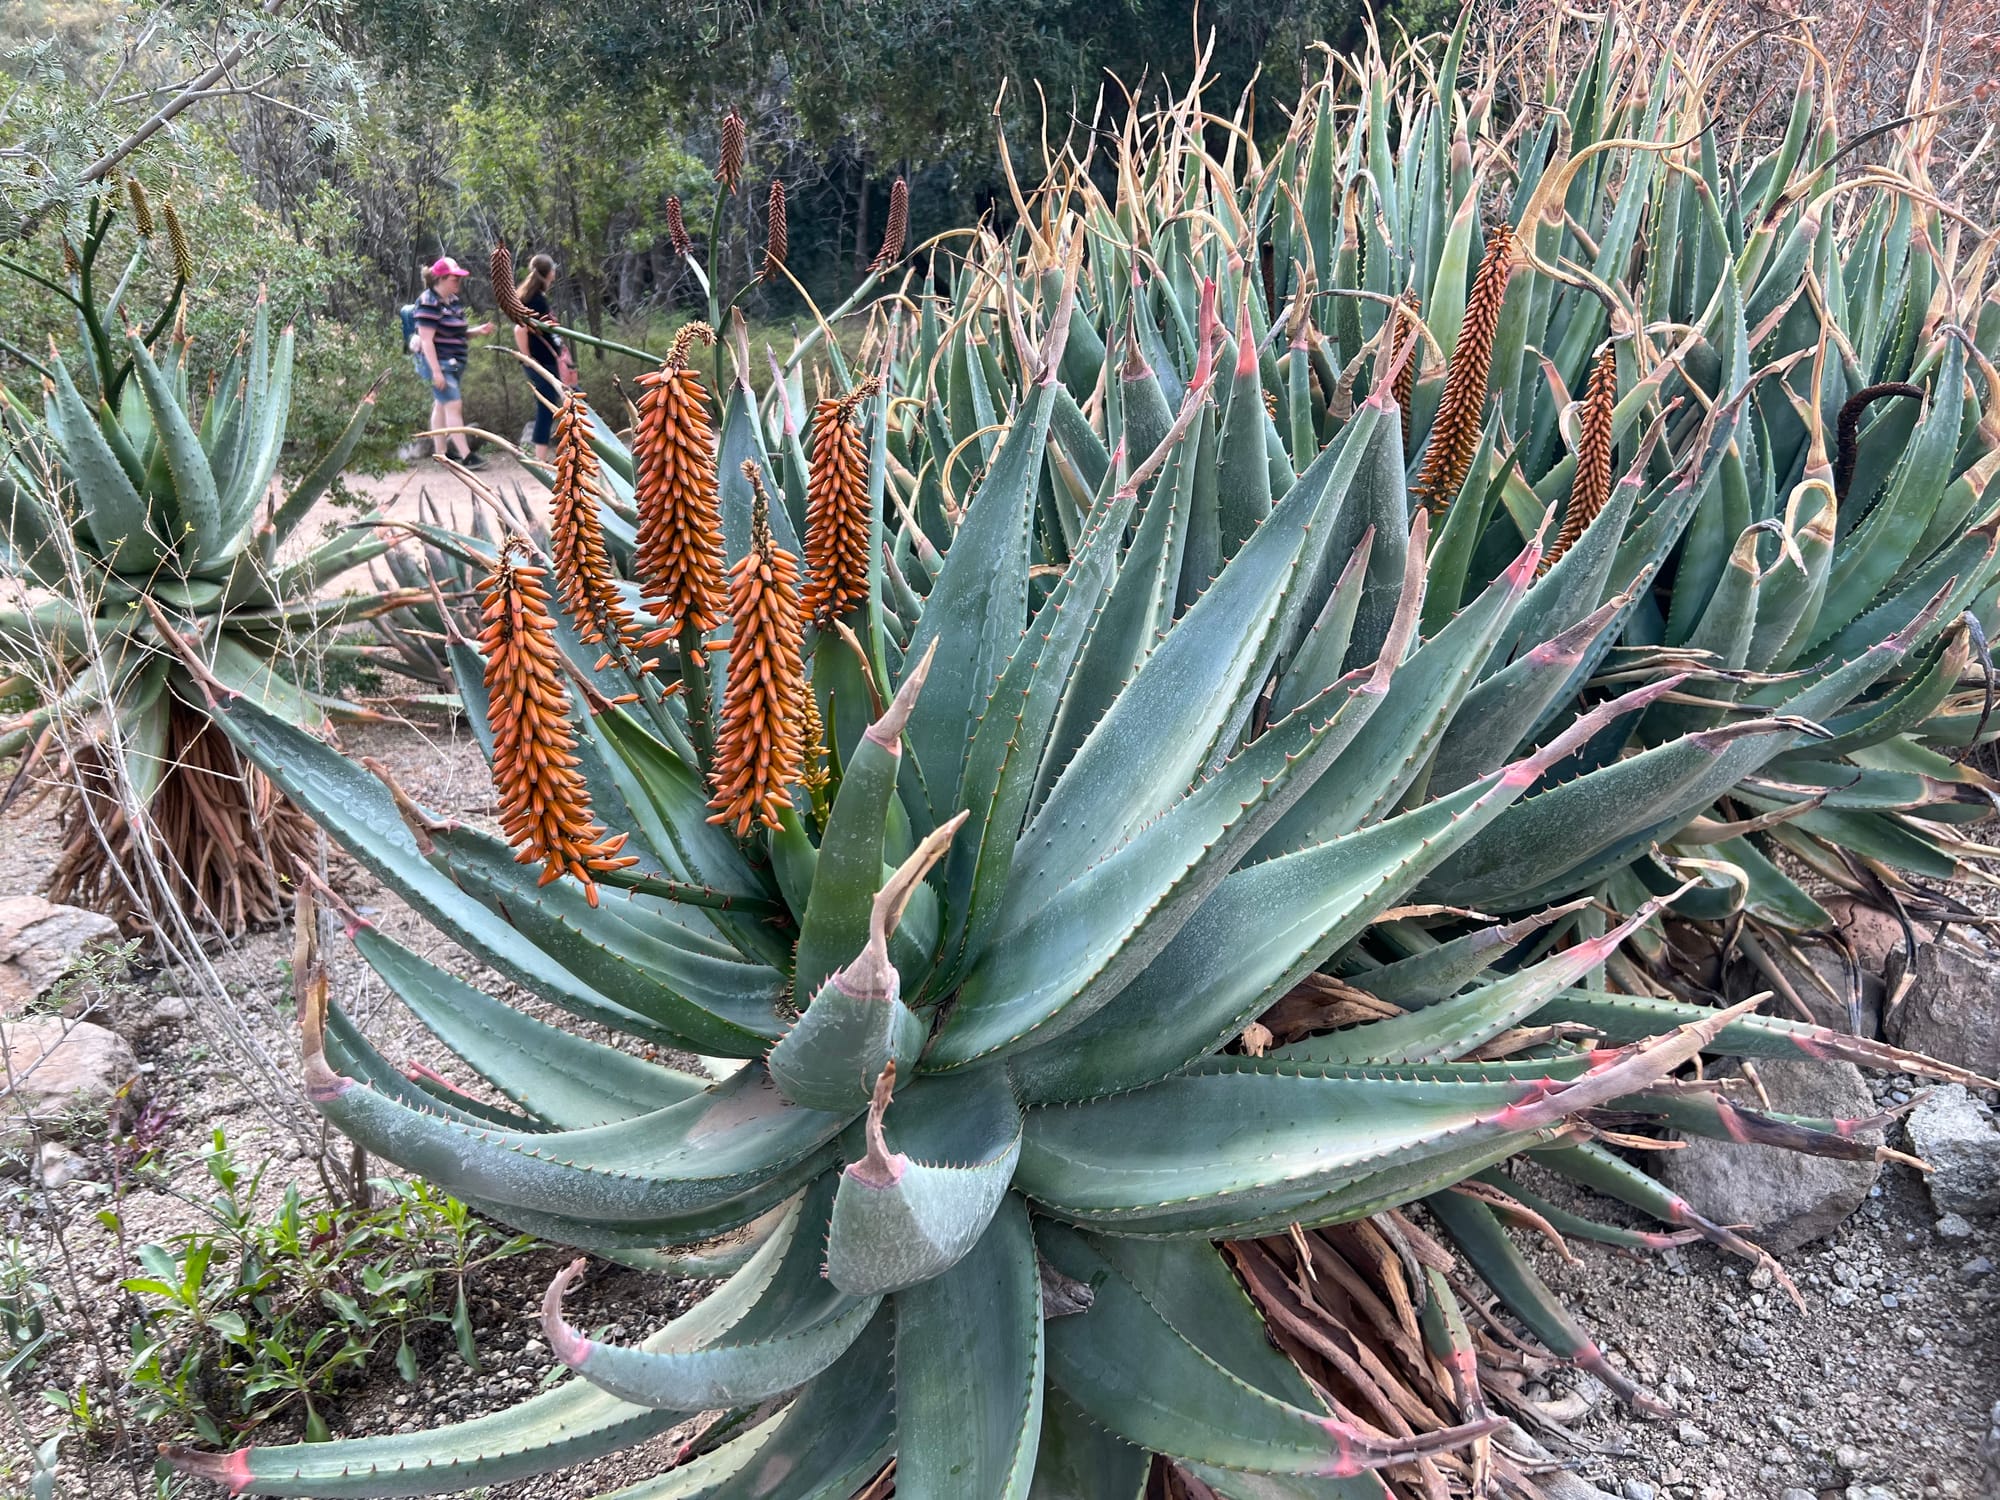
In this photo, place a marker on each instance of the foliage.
(26, 1305)
(261, 1316)
(92, 85)
(1114, 876)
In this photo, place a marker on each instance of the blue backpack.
(409, 313)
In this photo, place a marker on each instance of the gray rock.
(1953, 1132)
(1795, 1493)
(53, 1071)
(57, 1166)
(1954, 1227)
(1790, 1198)
(1637, 1489)
(40, 942)
(1948, 1010)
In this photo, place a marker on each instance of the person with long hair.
(442, 342)
(548, 367)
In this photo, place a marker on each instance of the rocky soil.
(1885, 1387)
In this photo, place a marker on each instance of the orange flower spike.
(757, 748)
(837, 509)
(1590, 488)
(1462, 410)
(544, 804)
(584, 578)
(679, 503)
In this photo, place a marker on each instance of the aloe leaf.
(717, 1005)
(1317, 662)
(1243, 475)
(112, 507)
(1475, 1230)
(969, 1352)
(835, 925)
(1204, 987)
(320, 477)
(927, 1186)
(979, 604)
(1068, 958)
(1222, 1138)
(728, 1153)
(1078, 1460)
(1012, 736)
(572, 1424)
(1443, 970)
(1170, 719)
(1452, 1028)
(358, 811)
(1139, 605)
(1130, 1370)
(832, 1439)
(769, 1329)
(563, 1079)
(1498, 714)
(194, 482)
(1866, 558)
(1625, 1018)
(1390, 750)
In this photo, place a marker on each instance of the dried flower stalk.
(837, 509)
(1408, 307)
(584, 578)
(776, 236)
(677, 233)
(1462, 411)
(544, 803)
(729, 161)
(898, 228)
(1590, 488)
(680, 508)
(506, 296)
(757, 749)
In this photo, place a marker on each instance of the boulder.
(53, 1071)
(1955, 1134)
(1790, 1198)
(40, 942)
(1950, 1008)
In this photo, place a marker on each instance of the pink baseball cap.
(444, 265)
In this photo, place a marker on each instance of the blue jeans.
(546, 390)
(451, 369)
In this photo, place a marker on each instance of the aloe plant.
(1100, 858)
(133, 511)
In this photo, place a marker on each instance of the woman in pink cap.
(440, 352)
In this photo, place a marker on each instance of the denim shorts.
(451, 369)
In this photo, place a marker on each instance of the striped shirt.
(446, 320)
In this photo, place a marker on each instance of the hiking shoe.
(472, 461)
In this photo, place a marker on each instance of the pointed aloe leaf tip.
(570, 1346)
(887, 731)
(879, 1167)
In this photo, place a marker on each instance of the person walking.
(548, 369)
(442, 341)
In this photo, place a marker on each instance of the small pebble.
(1691, 1435)
(1954, 1227)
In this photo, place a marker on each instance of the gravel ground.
(1882, 1390)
